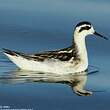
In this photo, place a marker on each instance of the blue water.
(37, 25)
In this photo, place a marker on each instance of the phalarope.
(72, 59)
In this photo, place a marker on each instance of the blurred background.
(41, 24)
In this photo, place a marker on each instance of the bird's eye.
(84, 28)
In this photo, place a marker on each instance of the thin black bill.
(97, 34)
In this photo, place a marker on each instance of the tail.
(10, 52)
(20, 59)
(15, 57)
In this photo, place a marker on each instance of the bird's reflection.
(75, 81)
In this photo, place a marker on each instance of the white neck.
(79, 40)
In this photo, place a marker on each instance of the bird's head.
(85, 28)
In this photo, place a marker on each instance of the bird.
(73, 59)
